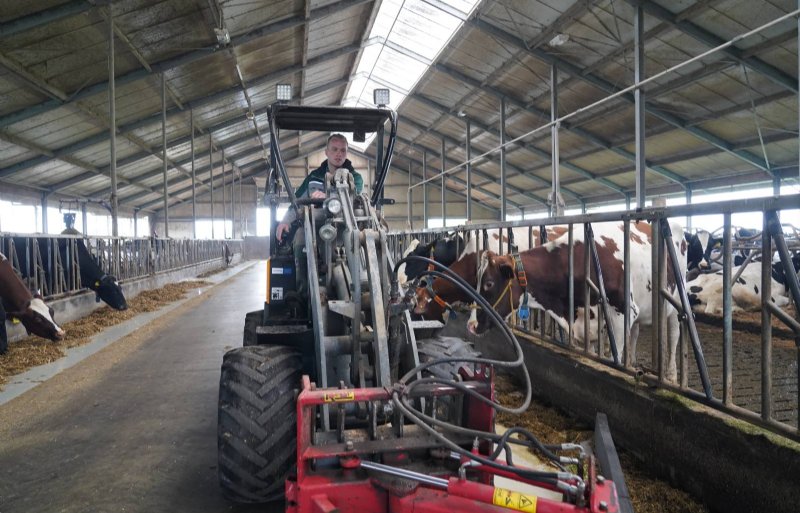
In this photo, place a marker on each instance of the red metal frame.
(348, 489)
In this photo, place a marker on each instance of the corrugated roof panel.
(524, 18)
(334, 31)
(56, 134)
(736, 17)
(98, 155)
(163, 29)
(15, 94)
(241, 17)
(199, 79)
(13, 153)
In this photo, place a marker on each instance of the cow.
(701, 245)
(778, 273)
(705, 291)
(445, 251)
(546, 281)
(3, 333)
(29, 309)
(433, 301)
(105, 286)
(520, 239)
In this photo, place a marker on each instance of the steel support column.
(164, 150)
(44, 212)
(211, 179)
(639, 106)
(242, 221)
(112, 114)
(224, 206)
(194, 179)
(230, 201)
(503, 196)
(688, 202)
(85, 220)
(409, 197)
(555, 200)
(425, 212)
(469, 169)
(112, 121)
(233, 206)
(444, 186)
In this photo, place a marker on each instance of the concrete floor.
(133, 426)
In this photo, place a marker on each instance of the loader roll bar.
(332, 119)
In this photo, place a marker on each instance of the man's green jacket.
(318, 175)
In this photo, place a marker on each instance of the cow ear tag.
(97, 283)
(14, 320)
(524, 312)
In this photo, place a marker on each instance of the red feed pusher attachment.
(401, 468)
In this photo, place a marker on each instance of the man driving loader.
(315, 186)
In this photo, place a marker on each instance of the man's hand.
(318, 195)
(281, 228)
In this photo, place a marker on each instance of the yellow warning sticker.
(339, 397)
(514, 500)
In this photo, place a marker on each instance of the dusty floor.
(132, 427)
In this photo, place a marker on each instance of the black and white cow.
(445, 251)
(701, 246)
(705, 291)
(105, 286)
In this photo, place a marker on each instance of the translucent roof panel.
(406, 39)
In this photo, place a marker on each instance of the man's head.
(336, 151)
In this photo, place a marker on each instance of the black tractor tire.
(445, 347)
(251, 322)
(257, 422)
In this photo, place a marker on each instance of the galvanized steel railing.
(730, 377)
(49, 263)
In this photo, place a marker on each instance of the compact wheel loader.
(340, 401)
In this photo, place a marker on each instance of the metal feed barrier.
(756, 384)
(50, 264)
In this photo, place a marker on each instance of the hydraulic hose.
(402, 391)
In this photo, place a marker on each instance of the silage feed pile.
(34, 351)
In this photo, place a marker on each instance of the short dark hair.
(337, 136)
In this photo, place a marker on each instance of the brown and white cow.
(546, 270)
(432, 301)
(20, 304)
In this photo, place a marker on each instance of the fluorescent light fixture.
(284, 92)
(559, 40)
(380, 97)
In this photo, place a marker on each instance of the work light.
(380, 97)
(284, 92)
